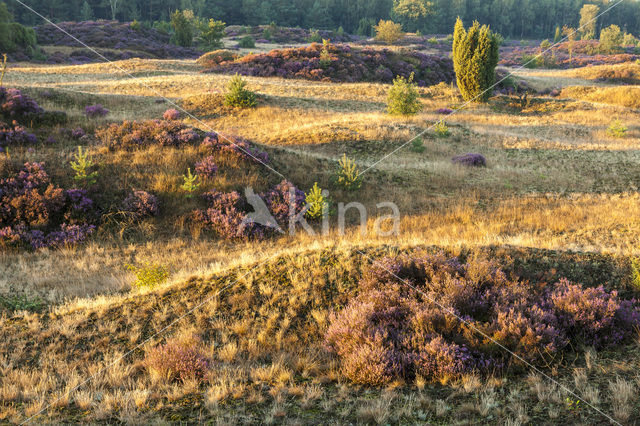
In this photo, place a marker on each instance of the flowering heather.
(11, 135)
(226, 212)
(471, 160)
(207, 168)
(171, 114)
(178, 359)
(391, 330)
(235, 146)
(345, 65)
(444, 111)
(138, 134)
(14, 105)
(36, 213)
(95, 111)
(78, 133)
(115, 40)
(141, 204)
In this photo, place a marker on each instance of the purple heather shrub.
(14, 105)
(227, 212)
(138, 134)
(207, 168)
(78, 133)
(347, 65)
(235, 146)
(444, 111)
(171, 114)
(141, 204)
(178, 359)
(95, 111)
(36, 213)
(50, 140)
(471, 160)
(15, 135)
(394, 330)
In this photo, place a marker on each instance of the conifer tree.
(475, 57)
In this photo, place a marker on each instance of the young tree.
(558, 36)
(411, 12)
(571, 34)
(388, 31)
(403, 97)
(212, 35)
(86, 13)
(475, 57)
(183, 30)
(113, 5)
(611, 39)
(588, 21)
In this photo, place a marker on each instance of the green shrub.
(403, 97)
(617, 129)
(212, 34)
(348, 177)
(314, 36)
(388, 32)
(433, 40)
(441, 129)
(183, 30)
(190, 183)
(417, 145)
(148, 275)
(135, 25)
(247, 42)
(318, 203)
(238, 96)
(82, 166)
(611, 39)
(475, 57)
(635, 273)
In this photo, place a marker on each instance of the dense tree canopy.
(511, 18)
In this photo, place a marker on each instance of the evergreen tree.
(475, 57)
(86, 13)
(183, 31)
(588, 21)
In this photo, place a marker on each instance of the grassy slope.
(555, 180)
(263, 325)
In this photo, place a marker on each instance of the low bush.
(179, 359)
(388, 32)
(35, 213)
(226, 214)
(617, 129)
(347, 65)
(417, 145)
(392, 330)
(238, 96)
(139, 134)
(471, 160)
(216, 57)
(171, 114)
(247, 42)
(12, 135)
(14, 105)
(234, 146)
(348, 176)
(206, 168)
(441, 129)
(95, 111)
(403, 97)
(141, 204)
(148, 275)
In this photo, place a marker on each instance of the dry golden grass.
(555, 180)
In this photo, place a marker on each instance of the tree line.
(511, 18)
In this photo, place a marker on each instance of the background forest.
(511, 18)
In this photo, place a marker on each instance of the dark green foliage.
(475, 57)
(403, 97)
(13, 36)
(247, 42)
(238, 95)
(212, 34)
(183, 31)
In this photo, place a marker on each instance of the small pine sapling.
(317, 202)
(190, 184)
(82, 166)
(348, 177)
